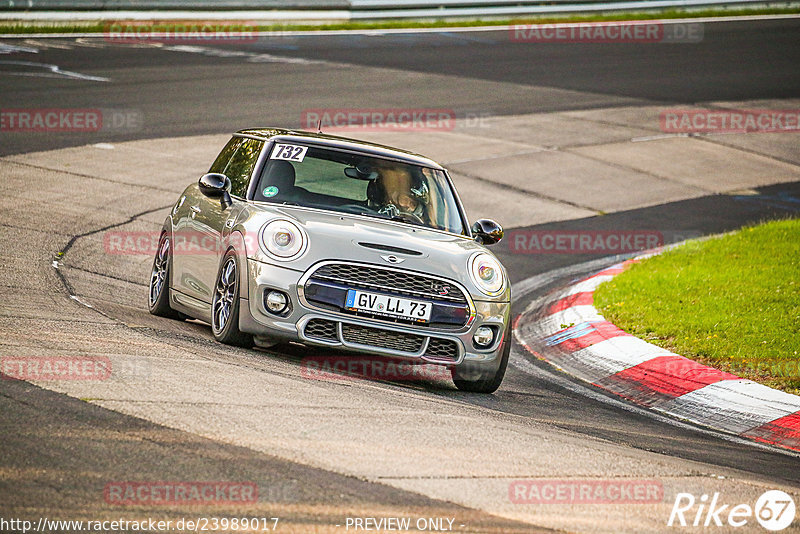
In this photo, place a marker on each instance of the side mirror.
(215, 185)
(487, 232)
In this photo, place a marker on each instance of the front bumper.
(315, 326)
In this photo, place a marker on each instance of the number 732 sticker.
(289, 152)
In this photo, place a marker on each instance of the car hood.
(340, 236)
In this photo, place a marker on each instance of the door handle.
(195, 209)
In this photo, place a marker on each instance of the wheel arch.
(235, 242)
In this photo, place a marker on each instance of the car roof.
(342, 143)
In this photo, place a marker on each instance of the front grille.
(442, 349)
(399, 282)
(384, 339)
(322, 329)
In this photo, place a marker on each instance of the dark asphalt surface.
(734, 61)
(183, 93)
(186, 93)
(58, 463)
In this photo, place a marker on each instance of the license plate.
(363, 301)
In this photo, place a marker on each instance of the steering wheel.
(395, 214)
(355, 208)
(416, 218)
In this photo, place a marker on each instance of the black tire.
(158, 295)
(225, 304)
(481, 383)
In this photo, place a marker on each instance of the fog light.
(276, 301)
(483, 337)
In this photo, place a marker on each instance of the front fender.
(236, 241)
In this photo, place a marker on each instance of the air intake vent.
(385, 339)
(322, 329)
(389, 248)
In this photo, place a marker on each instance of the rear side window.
(236, 161)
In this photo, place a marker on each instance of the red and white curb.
(581, 342)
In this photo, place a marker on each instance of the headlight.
(487, 274)
(283, 240)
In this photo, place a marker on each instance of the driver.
(399, 195)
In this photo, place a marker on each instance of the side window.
(240, 166)
(225, 156)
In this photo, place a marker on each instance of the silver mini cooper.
(332, 242)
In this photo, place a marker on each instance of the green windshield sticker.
(270, 191)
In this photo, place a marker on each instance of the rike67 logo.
(774, 510)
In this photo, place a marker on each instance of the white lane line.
(657, 137)
(41, 44)
(50, 71)
(12, 49)
(254, 57)
(268, 16)
(78, 300)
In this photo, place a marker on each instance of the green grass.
(20, 28)
(731, 302)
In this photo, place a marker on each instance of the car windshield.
(360, 184)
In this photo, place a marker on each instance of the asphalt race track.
(549, 137)
(197, 92)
